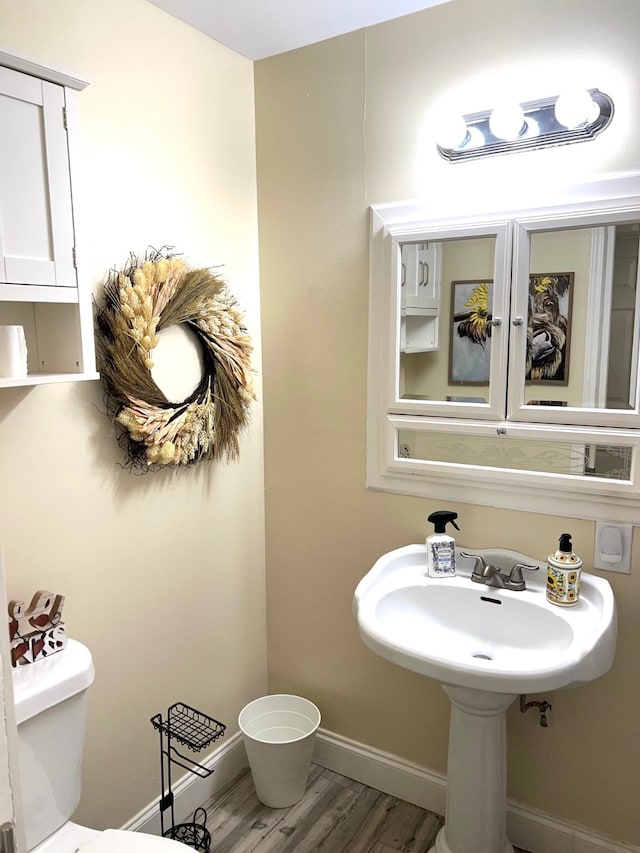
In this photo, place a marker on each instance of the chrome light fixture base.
(540, 129)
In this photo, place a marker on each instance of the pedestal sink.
(485, 645)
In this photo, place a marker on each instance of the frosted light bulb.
(452, 132)
(576, 108)
(507, 121)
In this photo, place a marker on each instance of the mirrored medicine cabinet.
(503, 355)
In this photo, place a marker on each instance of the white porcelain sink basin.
(468, 634)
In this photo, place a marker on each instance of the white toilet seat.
(73, 838)
(119, 841)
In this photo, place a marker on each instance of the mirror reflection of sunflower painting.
(469, 341)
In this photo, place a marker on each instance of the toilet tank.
(50, 698)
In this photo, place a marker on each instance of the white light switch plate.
(606, 534)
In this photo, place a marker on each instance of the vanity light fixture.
(559, 120)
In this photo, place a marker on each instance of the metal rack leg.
(166, 798)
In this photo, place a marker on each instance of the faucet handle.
(515, 576)
(479, 566)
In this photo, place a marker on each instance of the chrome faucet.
(491, 575)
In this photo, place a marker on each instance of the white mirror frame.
(558, 494)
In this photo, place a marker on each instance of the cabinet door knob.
(517, 321)
(497, 321)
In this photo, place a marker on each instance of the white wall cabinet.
(40, 284)
(420, 297)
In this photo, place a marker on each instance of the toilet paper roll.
(13, 351)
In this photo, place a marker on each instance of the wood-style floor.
(336, 815)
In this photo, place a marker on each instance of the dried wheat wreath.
(141, 300)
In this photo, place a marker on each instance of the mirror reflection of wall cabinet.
(531, 391)
(39, 283)
(419, 296)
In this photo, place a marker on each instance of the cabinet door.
(459, 369)
(576, 302)
(420, 275)
(36, 221)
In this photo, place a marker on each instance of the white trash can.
(279, 733)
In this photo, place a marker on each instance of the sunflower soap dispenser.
(563, 574)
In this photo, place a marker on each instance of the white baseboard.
(527, 828)
(382, 771)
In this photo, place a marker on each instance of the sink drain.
(482, 656)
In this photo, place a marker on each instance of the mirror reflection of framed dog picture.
(549, 328)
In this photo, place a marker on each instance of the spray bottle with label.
(441, 548)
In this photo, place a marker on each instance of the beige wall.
(341, 125)
(163, 574)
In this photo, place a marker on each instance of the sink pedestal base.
(476, 812)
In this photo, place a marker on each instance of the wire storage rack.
(196, 731)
